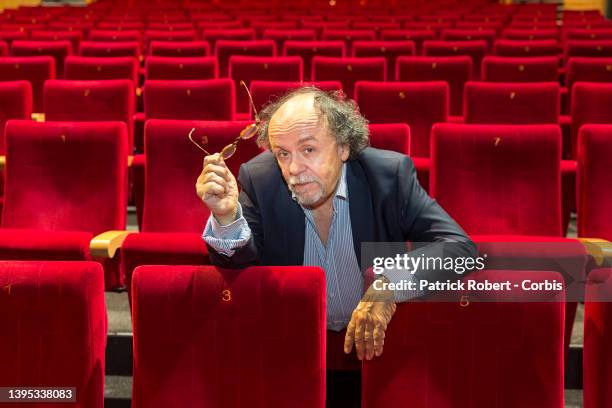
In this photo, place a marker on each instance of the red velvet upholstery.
(106, 100)
(348, 36)
(167, 26)
(349, 70)
(590, 104)
(419, 104)
(456, 71)
(247, 69)
(110, 49)
(390, 136)
(474, 49)
(376, 26)
(227, 48)
(267, 91)
(72, 25)
(97, 68)
(15, 103)
(181, 68)
(37, 244)
(418, 36)
(506, 182)
(520, 69)
(594, 174)
(260, 25)
(10, 36)
(36, 70)
(489, 353)
(239, 34)
(56, 49)
(587, 69)
(309, 49)
(588, 48)
(75, 37)
(115, 36)
(54, 328)
(518, 34)
(457, 34)
(229, 353)
(588, 34)
(281, 36)
(512, 103)
(391, 50)
(153, 35)
(179, 48)
(597, 360)
(530, 48)
(211, 99)
(320, 26)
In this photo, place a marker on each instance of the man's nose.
(295, 167)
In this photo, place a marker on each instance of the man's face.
(307, 153)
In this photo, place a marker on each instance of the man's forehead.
(298, 113)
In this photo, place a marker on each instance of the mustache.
(302, 179)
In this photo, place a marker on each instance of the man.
(313, 198)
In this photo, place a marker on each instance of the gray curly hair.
(341, 116)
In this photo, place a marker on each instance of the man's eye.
(309, 150)
(281, 155)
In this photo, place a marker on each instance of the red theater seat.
(307, 50)
(349, 70)
(586, 69)
(594, 173)
(91, 101)
(267, 91)
(206, 304)
(348, 36)
(391, 50)
(454, 34)
(512, 103)
(504, 346)
(110, 49)
(97, 68)
(455, 71)
(587, 48)
(173, 217)
(167, 26)
(239, 34)
(67, 298)
(390, 136)
(154, 35)
(417, 36)
(507, 196)
(531, 48)
(211, 99)
(419, 104)
(52, 190)
(181, 68)
(15, 103)
(247, 69)
(517, 34)
(56, 49)
(588, 34)
(590, 104)
(75, 37)
(260, 26)
(179, 48)
(35, 70)
(474, 49)
(115, 36)
(597, 365)
(520, 69)
(257, 48)
(10, 36)
(320, 26)
(281, 36)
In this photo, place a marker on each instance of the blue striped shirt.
(338, 260)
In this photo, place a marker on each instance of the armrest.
(106, 244)
(599, 249)
(38, 117)
(565, 120)
(455, 119)
(2, 162)
(130, 160)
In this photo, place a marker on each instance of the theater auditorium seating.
(308, 49)
(98, 68)
(181, 67)
(52, 191)
(225, 49)
(179, 48)
(268, 91)
(349, 70)
(54, 318)
(520, 69)
(391, 50)
(480, 353)
(36, 70)
(219, 335)
(15, 103)
(390, 136)
(590, 104)
(110, 49)
(56, 49)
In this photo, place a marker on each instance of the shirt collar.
(341, 189)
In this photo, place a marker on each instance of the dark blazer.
(386, 201)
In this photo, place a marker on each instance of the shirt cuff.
(407, 281)
(226, 239)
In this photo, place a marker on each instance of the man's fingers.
(215, 178)
(360, 336)
(369, 337)
(221, 171)
(214, 159)
(350, 336)
(379, 339)
(213, 188)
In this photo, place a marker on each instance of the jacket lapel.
(360, 206)
(292, 228)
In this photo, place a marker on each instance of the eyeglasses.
(246, 133)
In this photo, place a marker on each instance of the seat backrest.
(247, 69)
(512, 103)
(349, 70)
(98, 68)
(15, 103)
(110, 49)
(498, 179)
(281, 36)
(75, 37)
(190, 68)
(587, 48)
(418, 104)
(56, 49)
(594, 173)
(348, 36)
(115, 36)
(458, 34)
(51, 183)
(520, 69)
(390, 136)
(173, 165)
(475, 49)
(35, 70)
(238, 34)
(212, 99)
(165, 35)
(518, 34)
(455, 71)
(307, 50)
(417, 36)
(527, 48)
(179, 48)
(56, 318)
(84, 101)
(591, 103)
(225, 49)
(264, 92)
(587, 69)
(503, 345)
(391, 50)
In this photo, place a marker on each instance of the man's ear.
(344, 152)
